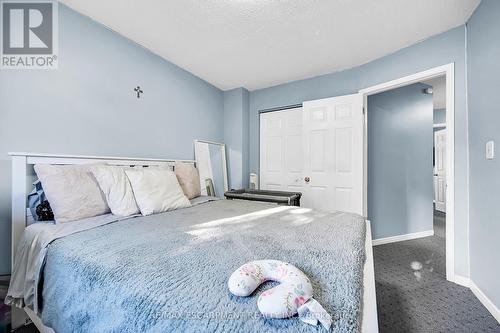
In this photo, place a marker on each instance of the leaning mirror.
(211, 163)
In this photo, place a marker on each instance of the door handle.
(307, 179)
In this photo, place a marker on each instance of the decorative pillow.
(188, 178)
(38, 204)
(44, 212)
(156, 190)
(116, 187)
(72, 191)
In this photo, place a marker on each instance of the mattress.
(168, 272)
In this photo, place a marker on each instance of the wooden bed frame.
(23, 174)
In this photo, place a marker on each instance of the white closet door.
(281, 157)
(332, 133)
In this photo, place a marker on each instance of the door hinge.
(363, 110)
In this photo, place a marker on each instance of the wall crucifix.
(138, 91)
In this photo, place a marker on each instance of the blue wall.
(236, 136)
(88, 106)
(448, 47)
(400, 141)
(483, 52)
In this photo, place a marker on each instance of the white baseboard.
(488, 304)
(401, 238)
(462, 280)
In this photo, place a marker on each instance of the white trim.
(50, 158)
(450, 172)
(462, 280)
(488, 304)
(401, 238)
(365, 154)
(28, 154)
(449, 71)
(440, 125)
(407, 80)
(467, 140)
(369, 319)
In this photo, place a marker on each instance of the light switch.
(490, 150)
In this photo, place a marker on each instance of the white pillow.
(156, 190)
(72, 191)
(116, 187)
(188, 178)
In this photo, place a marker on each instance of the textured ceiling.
(260, 43)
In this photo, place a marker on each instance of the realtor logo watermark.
(29, 34)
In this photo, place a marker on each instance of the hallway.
(413, 294)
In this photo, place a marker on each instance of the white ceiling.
(260, 43)
(438, 91)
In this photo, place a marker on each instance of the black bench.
(278, 197)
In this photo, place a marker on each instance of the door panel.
(333, 153)
(343, 147)
(294, 153)
(317, 151)
(273, 154)
(281, 151)
(343, 198)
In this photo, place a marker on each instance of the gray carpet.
(413, 294)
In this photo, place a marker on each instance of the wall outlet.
(490, 150)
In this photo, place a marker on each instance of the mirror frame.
(224, 159)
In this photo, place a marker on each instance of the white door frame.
(449, 71)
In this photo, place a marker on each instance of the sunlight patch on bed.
(300, 210)
(205, 233)
(297, 219)
(243, 218)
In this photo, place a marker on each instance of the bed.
(168, 272)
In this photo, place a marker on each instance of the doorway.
(447, 72)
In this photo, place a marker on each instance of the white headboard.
(20, 167)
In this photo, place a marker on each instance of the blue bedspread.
(169, 272)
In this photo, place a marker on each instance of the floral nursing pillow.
(281, 301)
(293, 295)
